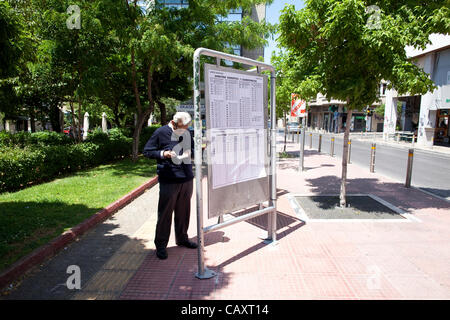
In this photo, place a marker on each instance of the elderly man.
(172, 145)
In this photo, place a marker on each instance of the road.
(431, 171)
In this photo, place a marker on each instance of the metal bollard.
(349, 150)
(310, 140)
(332, 147)
(409, 168)
(372, 158)
(320, 143)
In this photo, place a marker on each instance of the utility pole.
(302, 146)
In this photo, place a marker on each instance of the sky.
(273, 16)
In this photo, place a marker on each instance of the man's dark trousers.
(173, 197)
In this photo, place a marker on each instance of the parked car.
(293, 127)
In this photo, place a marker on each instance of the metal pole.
(272, 217)
(372, 158)
(310, 140)
(349, 150)
(202, 273)
(320, 143)
(332, 147)
(302, 148)
(409, 168)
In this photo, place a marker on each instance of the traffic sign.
(298, 106)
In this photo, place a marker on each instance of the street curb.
(48, 250)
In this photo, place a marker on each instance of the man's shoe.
(161, 253)
(188, 244)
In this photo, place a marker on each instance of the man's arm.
(152, 148)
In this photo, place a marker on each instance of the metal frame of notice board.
(203, 272)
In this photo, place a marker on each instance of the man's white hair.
(183, 116)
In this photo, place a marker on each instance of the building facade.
(428, 115)
(331, 116)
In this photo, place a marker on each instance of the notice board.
(237, 151)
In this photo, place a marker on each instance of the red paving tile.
(418, 287)
(372, 286)
(327, 286)
(314, 260)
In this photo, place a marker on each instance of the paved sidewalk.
(312, 260)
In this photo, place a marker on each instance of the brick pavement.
(312, 260)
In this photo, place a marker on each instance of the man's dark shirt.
(168, 171)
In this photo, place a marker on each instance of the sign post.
(226, 91)
(298, 109)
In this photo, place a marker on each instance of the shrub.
(97, 136)
(146, 135)
(49, 138)
(23, 139)
(33, 158)
(19, 139)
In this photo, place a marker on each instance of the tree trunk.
(116, 114)
(74, 125)
(32, 121)
(137, 133)
(80, 121)
(343, 195)
(136, 136)
(162, 108)
(54, 118)
(285, 131)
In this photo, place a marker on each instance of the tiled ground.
(312, 260)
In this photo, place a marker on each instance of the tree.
(284, 89)
(343, 50)
(160, 43)
(15, 51)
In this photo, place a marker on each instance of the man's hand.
(169, 154)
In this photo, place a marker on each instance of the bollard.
(310, 140)
(349, 150)
(409, 168)
(320, 143)
(372, 157)
(332, 147)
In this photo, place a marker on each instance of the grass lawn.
(32, 217)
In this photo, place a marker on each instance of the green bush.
(97, 136)
(20, 167)
(146, 135)
(23, 139)
(33, 158)
(19, 139)
(50, 138)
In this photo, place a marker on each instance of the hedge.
(31, 158)
(22, 139)
(20, 167)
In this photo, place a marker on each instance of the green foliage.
(380, 110)
(22, 139)
(146, 134)
(35, 163)
(334, 51)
